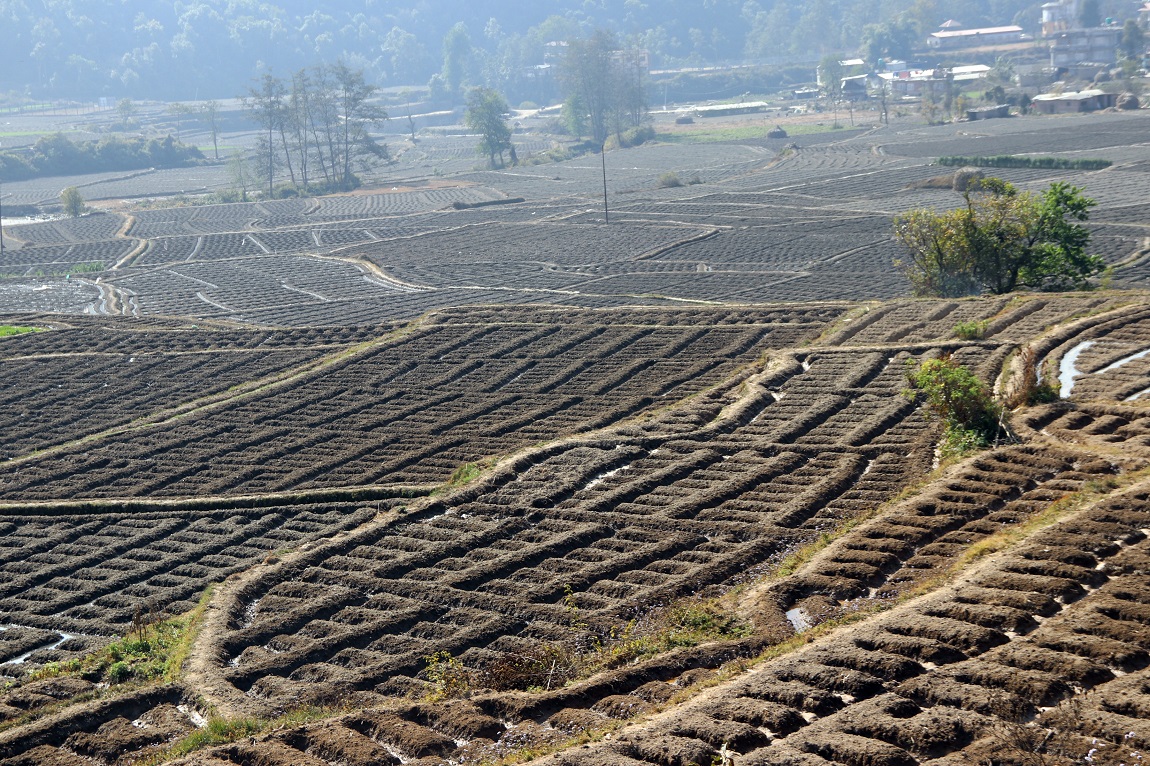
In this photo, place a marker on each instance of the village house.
(1068, 103)
(950, 39)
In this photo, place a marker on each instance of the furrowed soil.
(579, 512)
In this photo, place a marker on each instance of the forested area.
(202, 49)
(57, 155)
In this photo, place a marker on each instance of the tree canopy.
(485, 110)
(602, 83)
(999, 241)
(72, 202)
(199, 49)
(57, 155)
(315, 126)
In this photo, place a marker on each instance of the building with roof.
(1059, 16)
(916, 82)
(949, 39)
(1068, 103)
(1096, 46)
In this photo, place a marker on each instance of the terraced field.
(725, 449)
(469, 483)
(756, 221)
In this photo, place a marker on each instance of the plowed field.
(764, 460)
(406, 477)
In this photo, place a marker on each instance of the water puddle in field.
(1068, 368)
(1139, 395)
(606, 475)
(1124, 361)
(1068, 371)
(250, 613)
(193, 715)
(43, 647)
(799, 619)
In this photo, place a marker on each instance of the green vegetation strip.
(7, 329)
(1010, 161)
(57, 155)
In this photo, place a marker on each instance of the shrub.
(669, 180)
(465, 474)
(447, 675)
(631, 137)
(970, 416)
(72, 202)
(971, 330)
(118, 672)
(1031, 390)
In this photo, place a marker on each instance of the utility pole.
(603, 159)
(1, 218)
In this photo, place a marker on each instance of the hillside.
(382, 479)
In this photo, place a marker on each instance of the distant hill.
(213, 48)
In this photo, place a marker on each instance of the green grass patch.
(590, 649)
(8, 329)
(222, 731)
(973, 330)
(465, 474)
(91, 267)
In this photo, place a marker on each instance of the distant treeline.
(1008, 161)
(57, 155)
(197, 49)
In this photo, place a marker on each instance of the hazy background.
(86, 49)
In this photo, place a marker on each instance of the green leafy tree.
(1133, 41)
(831, 80)
(938, 263)
(127, 111)
(179, 111)
(266, 106)
(72, 202)
(240, 174)
(1089, 14)
(1001, 240)
(211, 112)
(485, 110)
(457, 55)
(358, 112)
(603, 83)
(890, 40)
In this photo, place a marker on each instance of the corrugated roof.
(1081, 95)
(976, 32)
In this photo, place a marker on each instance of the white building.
(916, 82)
(1097, 46)
(1059, 16)
(972, 38)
